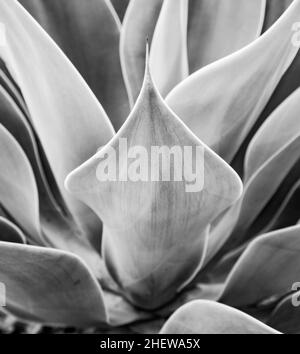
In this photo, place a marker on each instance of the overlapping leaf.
(221, 114)
(219, 28)
(207, 317)
(49, 286)
(15, 121)
(9, 232)
(59, 102)
(120, 7)
(271, 163)
(89, 34)
(285, 316)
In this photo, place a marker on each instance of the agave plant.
(145, 256)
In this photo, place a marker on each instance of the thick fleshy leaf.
(207, 317)
(267, 268)
(138, 26)
(154, 226)
(219, 28)
(221, 114)
(168, 55)
(89, 34)
(59, 101)
(50, 286)
(120, 7)
(18, 191)
(286, 315)
(9, 232)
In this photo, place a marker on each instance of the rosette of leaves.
(144, 256)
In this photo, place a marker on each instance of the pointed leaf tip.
(155, 216)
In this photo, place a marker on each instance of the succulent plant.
(146, 255)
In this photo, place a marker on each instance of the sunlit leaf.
(168, 56)
(89, 34)
(277, 131)
(207, 317)
(138, 26)
(50, 286)
(219, 28)
(221, 102)
(268, 267)
(154, 228)
(60, 103)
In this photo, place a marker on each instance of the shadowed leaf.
(286, 315)
(14, 120)
(10, 232)
(120, 7)
(280, 128)
(18, 191)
